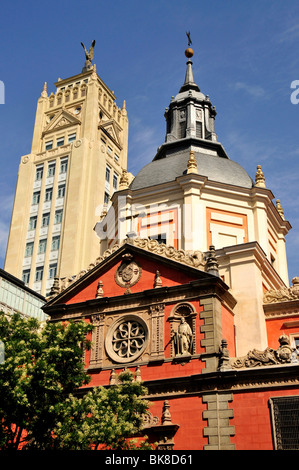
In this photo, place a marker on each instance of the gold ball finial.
(189, 52)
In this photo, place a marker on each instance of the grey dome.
(215, 168)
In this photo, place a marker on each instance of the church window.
(127, 339)
(161, 238)
(182, 130)
(198, 129)
(285, 422)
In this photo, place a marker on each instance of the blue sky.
(245, 59)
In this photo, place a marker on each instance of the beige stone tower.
(79, 150)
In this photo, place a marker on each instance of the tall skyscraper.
(78, 153)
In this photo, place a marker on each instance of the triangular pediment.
(133, 267)
(61, 120)
(112, 131)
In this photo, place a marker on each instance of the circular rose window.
(126, 339)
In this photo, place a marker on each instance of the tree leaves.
(39, 380)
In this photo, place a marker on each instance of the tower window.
(36, 197)
(45, 219)
(25, 276)
(42, 246)
(52, 270)
(61, 191)
(58, 217)
(63, 166)
(39, 173)
(115, 180)
(39, 274)
(29, 249)
(48, 194)
(51, 169)
(106, 198)
(49, 145)
(107, 176)
(32, 223)
(55, 243)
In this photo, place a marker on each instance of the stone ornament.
(284, 294)
(126, 339)
(192, 163)
(189, 258)
(128, 272)
(100, 291)
(268, 357)
(158, 281)
(259, 177)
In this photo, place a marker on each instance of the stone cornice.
(285, 376)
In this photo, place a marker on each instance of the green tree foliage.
(39, 402)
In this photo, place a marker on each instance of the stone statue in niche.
(183, 339)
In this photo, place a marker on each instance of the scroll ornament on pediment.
(283, 294)
(194, 259)
(285, 354)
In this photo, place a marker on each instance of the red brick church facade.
(202, 396)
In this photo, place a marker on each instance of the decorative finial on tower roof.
(44, 93)
(124, 180)
(189, 83)
(189, 51)
(124, 108)
(259, 177)
(192, 163)
(88, 56)
(279, 209)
